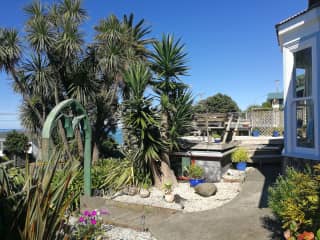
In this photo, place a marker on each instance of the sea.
(118, 137)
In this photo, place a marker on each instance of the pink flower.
(93, 221)
(86, 213)
(81, 219)
(93, 213)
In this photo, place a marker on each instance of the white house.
(299, 39)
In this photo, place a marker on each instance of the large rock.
(206, 189)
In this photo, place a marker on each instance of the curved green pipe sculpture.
(69, 125)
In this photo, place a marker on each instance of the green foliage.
(16, 143)
(37, 210)
(294, 198)
(219, 103)
(109, 148)
(240, 155)
(252, 107)
(113, 174)
(266, 104)
(142, 119)
(216, 135)
(167, 187)
(180, 118)
(195, 171)
(4, 159)
(56, 64)
(75, 189)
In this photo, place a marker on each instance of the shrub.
(195, 171)
(16, 143)
(216, 135)
(240, 155)
(294, 198)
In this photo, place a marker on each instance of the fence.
(266, 120)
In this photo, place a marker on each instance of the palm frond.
(40, 34)
(72, 10)
(10, 49)
(169, 59)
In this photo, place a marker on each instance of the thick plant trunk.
(60, 126)
(156, 174)
(64, 139)
(168, 175)
(79, 143)
(95, 154)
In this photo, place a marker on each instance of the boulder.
(206, 189)
(130, 190)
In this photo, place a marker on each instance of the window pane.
(305, 124)
(303, 73)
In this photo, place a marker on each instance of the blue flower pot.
(255, 133)
(194, 182)
(275, 134)
(217, 140)
(241, 166)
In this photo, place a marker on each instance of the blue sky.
(232, 45)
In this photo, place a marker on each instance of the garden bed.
(189, 200)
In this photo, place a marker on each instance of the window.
(303, 73)
(302, 101)
(305, 124)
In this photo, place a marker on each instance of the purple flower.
(93, 213)
(81, 219)
(93, 221)
(86, 213)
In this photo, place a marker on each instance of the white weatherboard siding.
(295, 35)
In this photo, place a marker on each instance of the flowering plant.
(89, 224)
(289, 235)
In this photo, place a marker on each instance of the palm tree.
(10, 55)
(142, 120)
(119, 43)
(168, 63)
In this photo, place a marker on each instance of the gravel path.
(193, 203)
(118, 233)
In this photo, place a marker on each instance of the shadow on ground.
(273, 226)
(271, 223)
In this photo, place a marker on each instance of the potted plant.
(168, 192)
(216, 137)
(276, 132)
(144, 190)
(255, 132)
(240, 156)
(195, 173)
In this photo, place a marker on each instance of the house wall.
(1, 147)
(295, 35)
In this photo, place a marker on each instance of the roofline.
(289, 19)
(315, 5)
